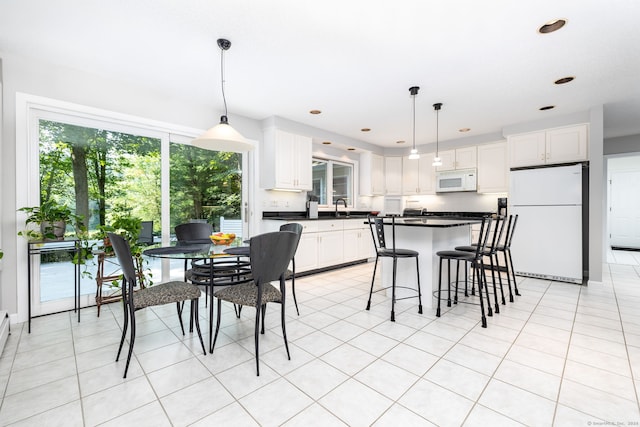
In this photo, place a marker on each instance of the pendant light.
(436, 160)
(223, 137)
(413, 90)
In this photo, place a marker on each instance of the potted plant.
(52, 219)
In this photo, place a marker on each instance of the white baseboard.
(4, 329)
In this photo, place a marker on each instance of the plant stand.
(106, 291)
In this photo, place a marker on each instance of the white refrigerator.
(548, 239)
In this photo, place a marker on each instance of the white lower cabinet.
(325, 243)
(330, 248)
(307, 253)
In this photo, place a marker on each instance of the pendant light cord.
(414, 122)
(437, 131)
(224, 98)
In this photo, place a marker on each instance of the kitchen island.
(427, 235)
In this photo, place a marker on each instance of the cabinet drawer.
(308, 226)
(355, 224)
(330, 225)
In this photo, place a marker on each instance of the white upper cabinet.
(460, 158)
(393, 175)
(550, 146)
(371, 174)
(493, 168)
(286, 161)
(418, 176)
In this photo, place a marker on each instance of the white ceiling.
(354, 59)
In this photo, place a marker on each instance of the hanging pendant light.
(223, 137)
(437, 161)
(414, 151)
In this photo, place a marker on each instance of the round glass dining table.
(211, 266)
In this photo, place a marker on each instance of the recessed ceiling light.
(548, 107)
(564, 80)
(365, 130)
(326, 142)
(400, 142)
(315, 112)
(464, 130)
(552, 26)
(351, 149)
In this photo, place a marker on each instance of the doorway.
(623, 209)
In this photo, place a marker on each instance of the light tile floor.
(560, 355)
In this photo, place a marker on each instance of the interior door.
(624, 215)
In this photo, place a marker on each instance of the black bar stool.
(474, 259)
(377, 232)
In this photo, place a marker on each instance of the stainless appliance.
(550, 240)
(312, 207)
(458, 180)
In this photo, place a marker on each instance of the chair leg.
(419, 287)
(455, 295)
(483, 317)
(215, 337)
(513, 272)
(180, 315)
(466, 279)
(264, 310)
(393, 290)
(293, 284)
(439, 288)
(375, 266)
(196, 320)
(495, 267)
(284, 331)
(125, 325)
(448, 282)
(483, 273)
(257, 337)
(493, 279)
(132, 339)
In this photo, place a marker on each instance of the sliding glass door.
(109, 172)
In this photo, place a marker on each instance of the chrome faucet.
(337, 201)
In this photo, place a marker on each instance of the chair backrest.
(125, 259)
(483, 237)
(295, 228)
(194, 232)
(146, 233)
(498, 231)
(513, 219)
(376, 224)
(270, 254)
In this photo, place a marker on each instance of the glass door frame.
(30, 109)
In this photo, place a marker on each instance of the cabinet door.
(330, 248)
(448, 158)
(466, 157)
(307, 253)
(393, 175)
(493, 168)
(285, 160)
(371, 174)
(351, 245)
(426, 174)
(410, 176)
(527, 149)
(566, 144)
(303, 163)
(366, 248)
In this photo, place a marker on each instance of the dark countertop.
(323, 215)
(433, 222)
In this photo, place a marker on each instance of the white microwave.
(458, 180)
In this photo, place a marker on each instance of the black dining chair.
(294, 227)
(505, 249)
(376, 224)
(270, 254)
(160, 294)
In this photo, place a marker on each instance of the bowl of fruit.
(222, 238)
